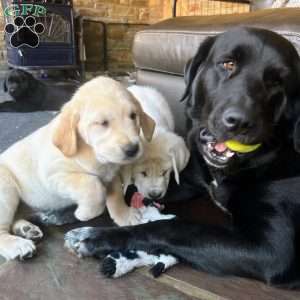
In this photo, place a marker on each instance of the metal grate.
(209, 7)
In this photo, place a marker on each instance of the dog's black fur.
(261, 189)
(30, 94)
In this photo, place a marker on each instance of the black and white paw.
(118, 264)
(27, 230)
(54, 217)
(109, 267)
(158, 269)
(77, 241)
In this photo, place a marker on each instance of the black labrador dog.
(30, 94)
(241, 85)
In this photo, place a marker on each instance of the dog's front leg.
(87, 191)
(215, 249)
(118, 210)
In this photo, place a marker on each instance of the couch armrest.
(260, 4)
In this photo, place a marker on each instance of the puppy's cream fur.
(73, 159)
(165, 153)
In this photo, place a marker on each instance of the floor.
(59, 275)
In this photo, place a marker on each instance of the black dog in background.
(243, 85)
(30, 94)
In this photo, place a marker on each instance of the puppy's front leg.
(11, 246)
(86, 191)
(118, 210)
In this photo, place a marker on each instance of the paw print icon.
(24, 32)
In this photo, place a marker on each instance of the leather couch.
(161, 50)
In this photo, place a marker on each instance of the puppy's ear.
(180, 156)
(147, 123)
(5, 85)
(65, 133)
(192, 66)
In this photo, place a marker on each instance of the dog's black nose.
(155, 195)
(131, 150)
(234, 119)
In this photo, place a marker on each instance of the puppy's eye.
(105, 123)
(132, 116)
(229, 65)
(144, 174)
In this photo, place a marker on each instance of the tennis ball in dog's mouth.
(241, 148)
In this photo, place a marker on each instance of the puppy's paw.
(77, 241)
(27, 230)
(12, 247)
(132, 216)
(150, 214)
(86, 213)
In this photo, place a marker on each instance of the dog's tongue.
(220, 147)
(137, 200)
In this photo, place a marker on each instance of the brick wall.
(128, 16)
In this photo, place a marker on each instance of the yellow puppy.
(73, 160)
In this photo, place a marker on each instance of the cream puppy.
(73, 160)
(165, 153)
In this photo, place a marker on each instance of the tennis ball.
(241, 148)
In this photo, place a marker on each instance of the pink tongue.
(220, 147)
(137, 200)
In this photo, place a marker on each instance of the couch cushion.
(167, 45)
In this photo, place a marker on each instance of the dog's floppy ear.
(180, 156)
(192, 66)
(65, 132)
(5, 85)
(292, 111)
(147, 123)
(296, 136)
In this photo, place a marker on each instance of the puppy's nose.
(155, 195)
(131, 150)
(234, 119)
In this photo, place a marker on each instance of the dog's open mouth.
(217, 154)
